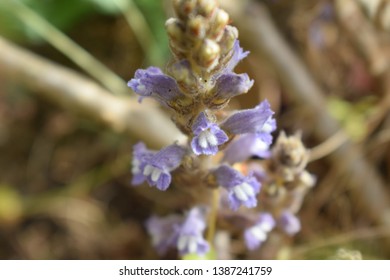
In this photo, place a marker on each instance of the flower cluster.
(195, 86)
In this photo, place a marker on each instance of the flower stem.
(212, 221)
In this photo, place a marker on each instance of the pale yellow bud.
(184, 8)
(206, 7)
(218, 24)
(229, 36)
(175, 29)
(208, 54)
(197, 27)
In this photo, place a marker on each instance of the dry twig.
(69, 89)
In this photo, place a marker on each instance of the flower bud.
(208, 54)
(206, 7)
(177, 42)
(197, 27)
(290, 152)
(175, 29)
(184, 8)
(229, 37)
(184, 76)
(218, 24)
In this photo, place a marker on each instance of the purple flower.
(251, 144)
(237, 55)
(242, 189)
(258, 171)
(257, 234)
(184, 233)
(230, 85)
(268, 128)
(316, 35)
(244, 147)
(152, 82)
(289, 223)
(207, 136)
(162, 231)
(157, 167)
(326, 12)
(140, 156)
(248, 121)
(190, 234)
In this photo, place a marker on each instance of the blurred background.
(65, 188)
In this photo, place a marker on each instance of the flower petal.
(248, 121)
(254, 236)
(207, 136)
(230, 85)
(242, 190)
(152, 82)
(289, 223)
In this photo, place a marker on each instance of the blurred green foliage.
(65, 14)
(10, 205)
(62, 14)
(352, 116)
(155, 17)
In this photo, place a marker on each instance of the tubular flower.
(162, 231)
(242, 189)
(155, 167)
(152, 82)
(289, 223)
(249, 120)
(190, 238)
(251, 144)
(257, 234)
(185, 233)
(207, 136)
(140, 157)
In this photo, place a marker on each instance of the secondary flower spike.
(207, 136)
(242, 189)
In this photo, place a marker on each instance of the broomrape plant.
(228, 153)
